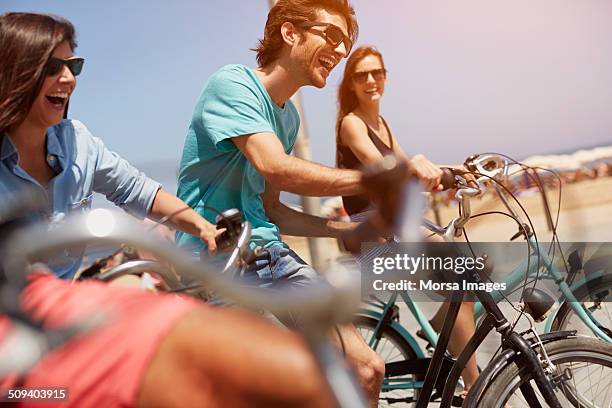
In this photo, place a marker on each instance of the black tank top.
(346, 159)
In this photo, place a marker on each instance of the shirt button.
(51, 157)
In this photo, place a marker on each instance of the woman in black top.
(364, 137)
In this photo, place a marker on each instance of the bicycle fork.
(530, 358)
(526, 355)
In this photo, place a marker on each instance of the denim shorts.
(280, 267)
(277, 268)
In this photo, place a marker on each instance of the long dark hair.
(27, 41)
(347, 100)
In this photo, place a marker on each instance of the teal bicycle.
(581, 302)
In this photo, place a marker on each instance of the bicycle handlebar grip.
(448, 178)
(231, 220)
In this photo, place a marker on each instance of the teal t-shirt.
(214, 173)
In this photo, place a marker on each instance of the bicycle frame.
(484, 328)
(529, 268)
(512, 340)
(492, 320)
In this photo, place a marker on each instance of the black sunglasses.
(54, 65)
(333, 34)
(378, 75)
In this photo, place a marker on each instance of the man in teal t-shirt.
(214, 172)
(237, 150)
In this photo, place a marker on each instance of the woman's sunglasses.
(333, 34)
(54, 66)
(378, 75)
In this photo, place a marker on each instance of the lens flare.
(100, 222)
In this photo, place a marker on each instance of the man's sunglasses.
(54, 66)
(333, 34)
(378, 75)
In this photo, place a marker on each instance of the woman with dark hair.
(151, 349)
(61, 157)
(364, 137)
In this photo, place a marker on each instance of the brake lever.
(491, 165)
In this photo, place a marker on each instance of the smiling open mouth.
(58, 98)
(327, 63)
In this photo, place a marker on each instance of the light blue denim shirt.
(82, 165)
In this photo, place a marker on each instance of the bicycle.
(235, 238)
(407, 366)
(328, 308)
(322, 305)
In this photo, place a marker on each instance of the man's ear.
(289, 33)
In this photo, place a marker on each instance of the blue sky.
(517, 77)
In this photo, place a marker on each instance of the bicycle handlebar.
(239, 256)
(335, 299)
(448, 178)
(138, 266)
(489, 166)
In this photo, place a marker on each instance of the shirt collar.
(7, 148)
(53, 145)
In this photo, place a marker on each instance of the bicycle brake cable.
(526, 236)
(537, 182)
(497, 182)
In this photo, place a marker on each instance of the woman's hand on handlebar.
(428, 173)
(468, 176)
(177, 214)
(207, 232)
(448, 180)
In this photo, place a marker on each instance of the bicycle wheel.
(582, 376)
(594, 297)
(391, 347)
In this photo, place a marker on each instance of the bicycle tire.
(601, 289)
(391, 339)
(566, 355)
